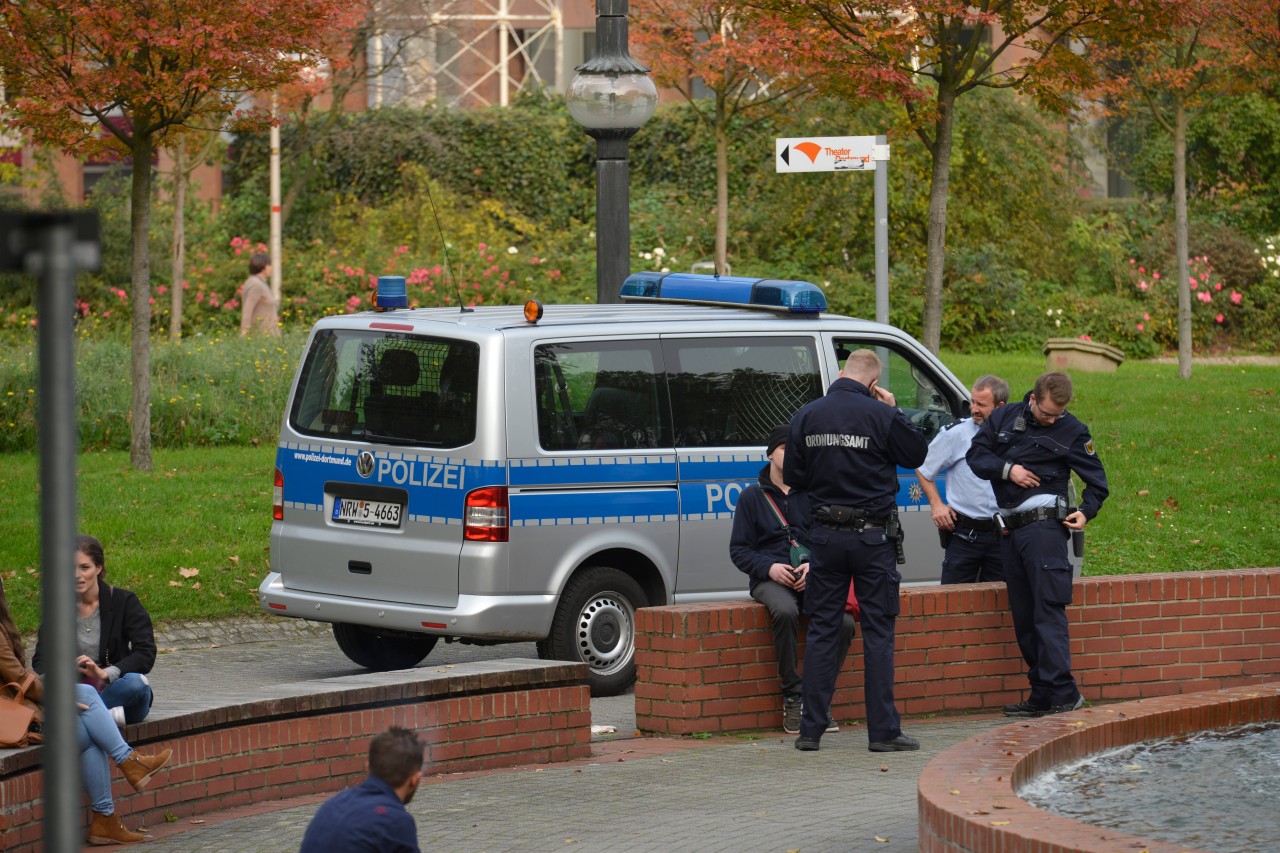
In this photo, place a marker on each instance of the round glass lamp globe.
(611, 101)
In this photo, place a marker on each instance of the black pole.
(613, 181)
(613, 212)
(55, 302)
(52, 247)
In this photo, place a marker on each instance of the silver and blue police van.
(520, 473)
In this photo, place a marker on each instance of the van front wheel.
(595, 623)
(382, 651)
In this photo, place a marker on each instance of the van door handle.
(359, 567)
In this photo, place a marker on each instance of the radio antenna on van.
(444, 247)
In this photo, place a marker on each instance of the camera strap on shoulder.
(782, 519)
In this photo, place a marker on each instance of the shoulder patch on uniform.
(950, 425)
(1089, 448)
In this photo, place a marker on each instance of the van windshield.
(392, 388)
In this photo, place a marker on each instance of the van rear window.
(391, 388)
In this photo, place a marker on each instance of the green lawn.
(1195, 484)
(206, 508)
(1194, 466)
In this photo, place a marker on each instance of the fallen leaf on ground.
(176, 583)
(884, 768)
(882, 840)
(233, 560)
(188, 573)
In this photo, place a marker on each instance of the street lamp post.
(611, 95)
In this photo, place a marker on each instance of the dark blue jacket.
(1011, 434)
(844, 449)
(758, 540)
(368, 818)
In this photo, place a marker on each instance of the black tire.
(595, 623)
(382, 651)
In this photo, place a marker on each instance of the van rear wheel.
(595, 623)
(381, 651)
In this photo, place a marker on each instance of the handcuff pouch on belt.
(834, 515)
(857, 520)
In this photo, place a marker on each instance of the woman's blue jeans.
(99, 740)
(131, 692)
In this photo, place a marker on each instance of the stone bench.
(312, 737)
(712, 667)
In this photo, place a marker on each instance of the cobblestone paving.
(728, 794)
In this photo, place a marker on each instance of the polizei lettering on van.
(418, 473)
(837, 439)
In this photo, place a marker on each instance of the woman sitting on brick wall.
(99, 739)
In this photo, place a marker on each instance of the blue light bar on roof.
(391, 292)
(787, 297)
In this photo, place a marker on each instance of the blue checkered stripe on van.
(606, 489)
(436, 485)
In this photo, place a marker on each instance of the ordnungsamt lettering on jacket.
(835, 439)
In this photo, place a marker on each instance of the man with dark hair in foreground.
(372, 816)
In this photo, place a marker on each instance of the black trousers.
(973, 556)
(836, 557)
(784, 618)
(1038, 577)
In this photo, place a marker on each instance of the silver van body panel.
(667, 510)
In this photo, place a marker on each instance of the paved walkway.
(634, 794)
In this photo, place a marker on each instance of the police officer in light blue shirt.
(969, 537)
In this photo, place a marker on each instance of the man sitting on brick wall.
(767, 519)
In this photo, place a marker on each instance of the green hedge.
(514, 193)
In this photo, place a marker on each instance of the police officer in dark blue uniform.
(843, 452)
(1028, 451)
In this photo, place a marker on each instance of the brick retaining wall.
(317, 742)
(711, 667)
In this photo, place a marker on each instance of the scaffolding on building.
(468, 53)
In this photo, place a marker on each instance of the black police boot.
(902, 743)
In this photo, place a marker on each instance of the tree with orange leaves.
(928, 53)
(1189, 52)
(740, 58)
(130, 76)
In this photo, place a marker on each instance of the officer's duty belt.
(964, 522)
(847, 518)
(1031, 516)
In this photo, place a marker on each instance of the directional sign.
(828, 154)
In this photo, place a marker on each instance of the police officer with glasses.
(1028, 451)
(970, 541)
(842, 452)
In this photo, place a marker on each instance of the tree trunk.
(722, 189)
(179, 237)
(939, 186)
(1180, 235)
(140, 324)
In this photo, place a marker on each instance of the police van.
(505, 474)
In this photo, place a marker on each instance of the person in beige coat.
(258, 307)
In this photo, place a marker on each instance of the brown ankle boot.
(139, 769)
(107, 829)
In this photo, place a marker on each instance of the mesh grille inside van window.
(388, 387)
(732, 392)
